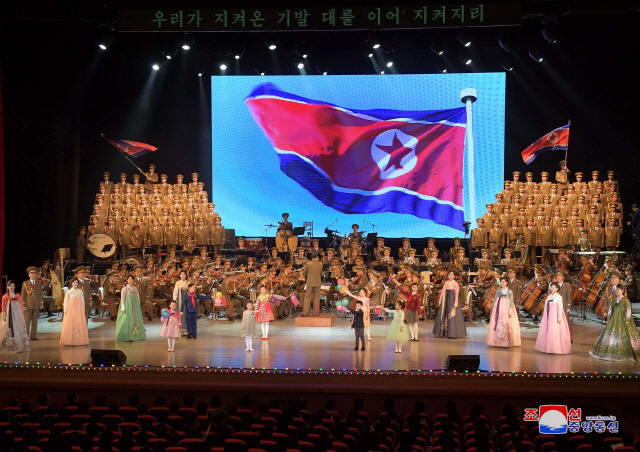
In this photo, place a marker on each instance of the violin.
(357, 278)
(46, 280)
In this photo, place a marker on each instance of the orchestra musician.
(431, 246)
(459, 262)
(411, 259)
(404, 250)
(285, 228)
(378, 252)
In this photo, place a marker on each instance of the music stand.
(299, 230)
(106, 249)
(466, 268)
(381, 268)
(285, 256)
(297, 267)
(326, 267)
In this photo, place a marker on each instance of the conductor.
(311, 274)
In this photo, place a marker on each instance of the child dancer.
(189, 309)
(554, 335)
(172, 326)
(264, 312)
(366, 311)
(397, 331)
(249, 326)
(412, 311)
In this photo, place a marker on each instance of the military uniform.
(171, 237)
(217, 238)
(544, 240)
(32, 297)
(479, 237)
(612, 237)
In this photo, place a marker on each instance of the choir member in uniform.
(32, 297)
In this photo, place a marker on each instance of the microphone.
(336, 220)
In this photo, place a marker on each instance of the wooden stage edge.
(242, 381)
(322, 320)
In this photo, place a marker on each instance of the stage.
(219, 345)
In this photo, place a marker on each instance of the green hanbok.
(129, 326)
(619, 341)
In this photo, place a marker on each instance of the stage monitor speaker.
(107, 358)
(463, 363)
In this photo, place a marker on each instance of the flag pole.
(125, 156)
(566, 151)
(468, 96)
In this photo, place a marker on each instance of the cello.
(595, 286)
(490, 298)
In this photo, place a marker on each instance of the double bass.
(595, 287)
(490, 298)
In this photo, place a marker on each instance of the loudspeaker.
(107, 357)
(462, 363)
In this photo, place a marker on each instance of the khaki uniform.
(562, 237)
(202, 236)
(612, 238)
(171, 237)
(312, 272)
(597, 237)
(32, 297)
(544, 239)
(217, 239)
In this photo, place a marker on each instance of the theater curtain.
(2, 190)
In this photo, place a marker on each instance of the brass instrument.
(523, 250)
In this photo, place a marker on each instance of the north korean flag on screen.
(368, 161)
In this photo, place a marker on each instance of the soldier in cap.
(545, 185)
(610, 181)
(194, 182)
(577, 185)
(81, 244)
(562, 177)
(32, 298)
(529, 182)
(612, 235)
(594, 182)
(404, 250)
(479, 236)
(378, 252)
(544, 239)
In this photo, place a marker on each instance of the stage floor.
(219, 345)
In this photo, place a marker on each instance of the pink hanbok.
(504, 327)
(74, 323)
(554, 336)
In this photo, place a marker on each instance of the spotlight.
(381, 72)
(324, 73)
(186, 41)
(466, 42)
(371, 55)
(168, 57)
(440, 68)
(105, 39)
(304, 55)
(237, 57)
(156, 67)
(223, 67)
(376, 46)
(507, 67)
(390, 63)
(272, 47)
(261, 73)
(504, 44)
(536, 56)
(550, 31)
(464, 56)
(200, 74)
(436, 49)
(300, 65)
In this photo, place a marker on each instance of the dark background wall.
(60, 92)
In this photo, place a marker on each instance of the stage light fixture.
(376, 46)
(106, 39)
(261, 73)
(156, 67)
(536, 56)
(324, 73)
(168, 57)
(300, 65)
(272, 47)
(381, 72)
(504, 44)
(371, 55)
(223, 67)
(237, 57)
(507, 67)
(187, 40)
(550, 31)
(200, 74)
(436, 49)
(440, 68)
(305, 55)
(390, 63)
(465, 41)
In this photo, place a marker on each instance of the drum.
(279, 240)
(101, 245)
(132, 261)
(293, 242)
(254, 244)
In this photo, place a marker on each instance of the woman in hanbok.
(449, 321)
(554, 336)
(129, 325)
(619, 341)
(74, 322)
(13, 331)
(504, 327)
(179, 292)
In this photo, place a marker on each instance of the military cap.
(516, 173)
(544, 173)
(579, 174)
(529, 173)
(595, 173)
(195, 174)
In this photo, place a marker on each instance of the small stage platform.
(322, 320)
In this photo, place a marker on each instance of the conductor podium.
(322, 320)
